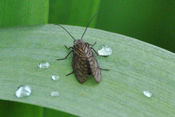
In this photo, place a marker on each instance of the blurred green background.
(152, 21)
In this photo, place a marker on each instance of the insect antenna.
(67, 32)
(88, 25)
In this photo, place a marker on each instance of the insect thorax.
(81, 47)
(79, 41)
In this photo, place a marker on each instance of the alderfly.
(84, 62)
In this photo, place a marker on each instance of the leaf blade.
(135, 66)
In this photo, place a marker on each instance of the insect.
(84, 62)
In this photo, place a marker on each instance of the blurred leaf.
(23, 12)
(73, 12)
(13, 109)
(53, 113)
(134, 66)
(152, 21)
(16, 109)
(19, 110)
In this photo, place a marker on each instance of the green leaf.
(14, 109)
(134, 66)
(136, 18)
(25, 12)
(73, 12)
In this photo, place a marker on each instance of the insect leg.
(104, 69)
(96, 51)
(66, 56)
(70, 73)
(69, 47)
(92, 44)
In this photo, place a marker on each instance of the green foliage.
(14, 109)
(134, 66)
(150, 21)
(73, 12)
(23, 12)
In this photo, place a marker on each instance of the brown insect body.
(84, 62)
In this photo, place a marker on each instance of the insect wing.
(80, 68)
(94, 66)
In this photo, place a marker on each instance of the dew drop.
(147, 94)
(105, 50)
(44, 65)
(23, 91)
(54, 93)
(55, 77)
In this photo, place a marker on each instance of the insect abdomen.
(80, 64)
(84, 63)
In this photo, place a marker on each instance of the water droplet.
(147, 94)
(23, 91)
(105, 50)
(44, 65)
(55, 77)
(54, 93)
